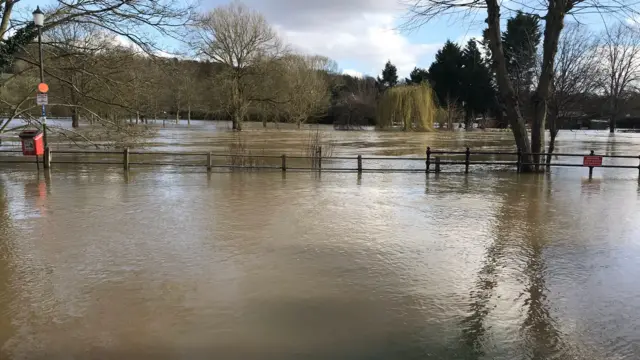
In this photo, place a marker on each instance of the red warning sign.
(592, 161)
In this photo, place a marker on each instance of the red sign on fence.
(592, 161)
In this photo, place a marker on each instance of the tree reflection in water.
(520, 232)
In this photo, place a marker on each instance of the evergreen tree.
(417, 76)
(520, 42)
(389, 76)
(445, 74)
(476, 87)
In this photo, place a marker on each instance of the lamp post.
(38, 21)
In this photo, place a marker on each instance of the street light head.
(38, 17)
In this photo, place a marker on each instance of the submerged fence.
(434, 161)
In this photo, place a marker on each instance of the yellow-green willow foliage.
(413, 107)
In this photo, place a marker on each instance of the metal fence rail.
(433, 162)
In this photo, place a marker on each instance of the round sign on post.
(43, 88)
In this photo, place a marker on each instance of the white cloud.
(360, 33)
(353, 73)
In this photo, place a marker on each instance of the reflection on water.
(172, 264)
(265, 265)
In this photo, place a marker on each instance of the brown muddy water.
(175, 263)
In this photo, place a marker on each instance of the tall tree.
(307, 88)
(389, 76)
(520, 41)
(445, 74)
(242, 40)
(477, 89)
(577, 75)
(621, 58)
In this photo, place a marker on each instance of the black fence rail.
(434, 162)
(521, 160)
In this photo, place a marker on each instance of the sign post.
(592, 161)
(42, 98)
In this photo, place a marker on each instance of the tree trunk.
(189, 115)
(178, 116)
(612, 124)
(553, 132)
(507, 93)
(553, 27)
(75, 119)
(137, 117)
(237, 122)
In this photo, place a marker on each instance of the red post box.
(32, 142)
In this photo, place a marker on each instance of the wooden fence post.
(125, 158)
(47, 157)
(591, 167)
(437, 164)
(209, 161)
(359, 164)
(319, 157)
(428, 159)
(466, 160)
(519, 162)
(284, 162)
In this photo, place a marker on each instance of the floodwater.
(175, 263)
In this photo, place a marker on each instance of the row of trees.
(243, 71)
(595, 74)
(616, 54)
(88, 73)
(464, 80)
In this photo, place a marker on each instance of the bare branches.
(138, 22)
(246, 45)
(420, 12)
(620, 58)
(577, 71)
(236, 36)
(306, 87)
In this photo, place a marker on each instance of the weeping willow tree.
(412, 107)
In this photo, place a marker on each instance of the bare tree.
(308, 88)
(620, 48)
(245, 43)
(554, 13)
(577, 74)
(71, 49)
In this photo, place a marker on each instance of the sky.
(360, 35)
